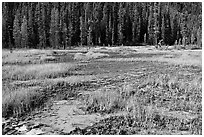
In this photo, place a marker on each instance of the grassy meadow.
(144, 90)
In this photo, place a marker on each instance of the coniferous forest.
(63, 24)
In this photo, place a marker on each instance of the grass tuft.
(20, 101)
(109, 99)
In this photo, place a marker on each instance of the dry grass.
(37, 71)
(20, 97)
(23, 83)
(26, 56)
(165, 95)
(162, 101)
(18, 102)
(89, 55)
(187, 58)
(109, 99)
(178, 94)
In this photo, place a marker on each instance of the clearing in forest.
(102, 90)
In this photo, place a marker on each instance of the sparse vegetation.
(95, 68)
(138, 91)
(162, 102)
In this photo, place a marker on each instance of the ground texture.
(109, 91)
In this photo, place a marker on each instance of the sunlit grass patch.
(109, 99)
(37, 71)
(18, 102)
(174, 57)
(163, 102)
(26, 56)
(173, 92)
(20, 97)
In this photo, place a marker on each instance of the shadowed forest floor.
(102, 90)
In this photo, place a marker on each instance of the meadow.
(132, 90)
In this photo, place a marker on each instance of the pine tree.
(150, 26)
(31, 35)
(5, 25)
(156, 22)
(106, 22)
(52, 28)
(109, 30)
(184, 29)
(175, 29)
(41, 27)
(90, 37)
(166, 28)
(199, 37)
(168, 31)
(37, 24)
(24, 33)
(75, 23)
(17, 31)
(120, 24)
(83, 30)
(136, 22)
(115, 18)
(65, 35)
(70, 34)
(66, 24)
(97, 22)
(57, 29)
(163, 34)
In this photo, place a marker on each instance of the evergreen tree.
(70, 34)
(52, 28)
(5, 25)
(106, 22)
(57, 29)
(24, 33)
(156, 22)
(120, 24)
(166, 28)
(39, 25)
(17, 31)
(83, 30)
(31, 35)
(90, 37)
(65, 36)
(184, 29)
(151, 26)
(199, 37)
(115, 21)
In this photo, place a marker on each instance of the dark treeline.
(61, 25)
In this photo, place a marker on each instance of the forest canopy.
(66, 24)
